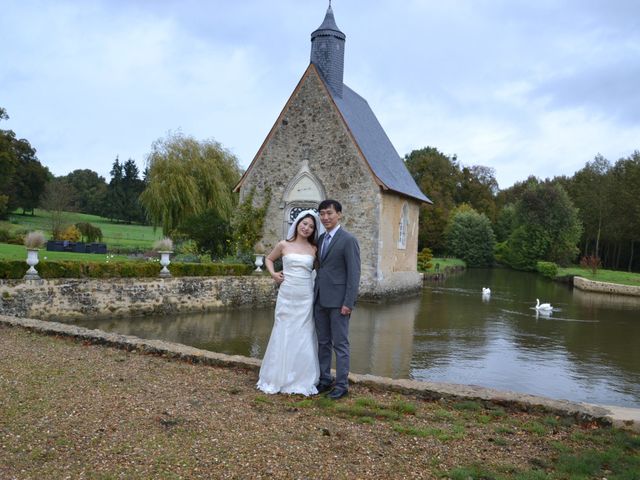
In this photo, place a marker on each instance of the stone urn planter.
(32, 261)
(164, 247)
(259, 262)
(33, 241)
(165, 261)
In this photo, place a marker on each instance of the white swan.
(486, 291)
(543, 306)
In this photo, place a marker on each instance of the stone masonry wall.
(604, 287)
(77, 298)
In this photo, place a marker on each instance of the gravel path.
(74, 410)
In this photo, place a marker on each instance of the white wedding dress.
(290, 363)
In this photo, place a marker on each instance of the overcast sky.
(523, 87)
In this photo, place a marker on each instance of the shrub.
(12, 269)
(34, 240)
(90, 233)
(248, 222)
(591, 262)
(17, 237)
(548, 269)
(71, 233)
(424, 259)
(15, 269)
(5, 235)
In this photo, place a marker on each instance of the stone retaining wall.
(604, 287)
(123, 297)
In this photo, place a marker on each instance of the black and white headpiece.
(319, 227)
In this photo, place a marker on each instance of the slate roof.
(329, 26)
(375, 145)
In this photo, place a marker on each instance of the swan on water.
(543, 306)
(486, 291)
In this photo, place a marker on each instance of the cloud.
(526, 88)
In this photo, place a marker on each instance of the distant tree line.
(22, 176)
(186, 189)
(594, 213)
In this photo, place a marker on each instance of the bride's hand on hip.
(278, 277)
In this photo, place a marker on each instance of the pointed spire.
(327, 51)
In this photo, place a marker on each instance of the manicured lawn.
(610, 276)
(114, 234)
(19, 252)
(444, 263)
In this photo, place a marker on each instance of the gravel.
(77, 410)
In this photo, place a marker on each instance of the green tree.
(590, 192)
(30, 181)
(547, 227)
(448, 185)
(187, 177)
(22, 176)
(56, 201)
(132, 187)
(505, 223)
(115, 192)
(438, 176)
(211, 233)
(625, 219)
(470, 237)
(88, 191)
(478, 188)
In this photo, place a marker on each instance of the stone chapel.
(327, 143)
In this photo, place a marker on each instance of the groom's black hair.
(330, 203)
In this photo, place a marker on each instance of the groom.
(336, 290)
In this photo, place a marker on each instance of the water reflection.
(583, 350)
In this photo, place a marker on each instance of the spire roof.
(328, 26)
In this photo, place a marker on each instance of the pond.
(586, 349)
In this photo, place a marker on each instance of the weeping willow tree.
(186, 178)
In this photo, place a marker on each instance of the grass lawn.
(114, 234)
(444, 263)
(610, 276)
(19, 252)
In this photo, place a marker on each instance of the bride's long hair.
(311, 238)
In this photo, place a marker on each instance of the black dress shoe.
(324, 387)
(338, 393)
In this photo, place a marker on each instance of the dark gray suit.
(337, 282)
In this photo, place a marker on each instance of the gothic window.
(294, 213)
(403, 227)
(303, 192)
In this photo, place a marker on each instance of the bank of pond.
(582, 348)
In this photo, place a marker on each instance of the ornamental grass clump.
(34, 240)
(163, 245)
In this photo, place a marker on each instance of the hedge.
(65, 269)
(548, 269)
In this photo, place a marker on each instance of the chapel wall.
(311, 130)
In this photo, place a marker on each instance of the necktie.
(325, 245)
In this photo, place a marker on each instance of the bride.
(290, 363)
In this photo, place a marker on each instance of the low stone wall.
(604, 287)
(391, 285)
(440, 276)
(120, 297)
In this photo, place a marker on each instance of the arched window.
(303, 192)
(403, 227)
